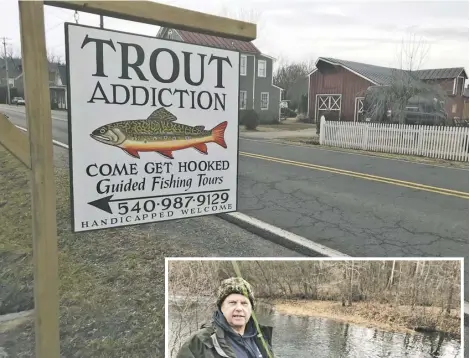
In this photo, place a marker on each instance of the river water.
(312, 337)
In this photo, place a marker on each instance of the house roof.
(383, 75)
(219, 42)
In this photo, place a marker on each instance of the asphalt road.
(359, 216)
(360, 205)
(226, 239)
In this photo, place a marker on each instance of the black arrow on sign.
(103, 203)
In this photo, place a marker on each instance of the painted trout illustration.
(158, 133)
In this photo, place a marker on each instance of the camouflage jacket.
(209, 342)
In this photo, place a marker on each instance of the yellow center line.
(407, 184)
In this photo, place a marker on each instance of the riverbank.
(374, 315)
(111, 281)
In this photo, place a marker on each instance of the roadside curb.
(280, 236)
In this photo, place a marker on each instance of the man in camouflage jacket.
(232, 332)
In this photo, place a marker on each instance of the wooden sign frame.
(36, 152)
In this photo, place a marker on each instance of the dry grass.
(290, 124)
(375, 315)
(410, 158)
(111, 281)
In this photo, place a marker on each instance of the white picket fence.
(428, 141)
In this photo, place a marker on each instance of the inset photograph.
(322, 308)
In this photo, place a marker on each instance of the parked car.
(19, 101)
(421, 109)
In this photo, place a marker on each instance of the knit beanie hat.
(234, 285)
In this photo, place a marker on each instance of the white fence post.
(322, 129)
(365, 136)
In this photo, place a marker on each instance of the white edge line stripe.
(324, 250)
(22, 112)
(60, 144)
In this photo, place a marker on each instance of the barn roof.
(383, 75)
(439, 73)
(376, 74)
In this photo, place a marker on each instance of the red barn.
(338, 85)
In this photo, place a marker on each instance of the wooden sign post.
(37, 153)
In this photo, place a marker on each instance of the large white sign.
(154, 128)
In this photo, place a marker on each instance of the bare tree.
(413, 53)
(245, 14)
(288, 73)
(405, 84)
(9, 52)
(453, 271)
(54, 58)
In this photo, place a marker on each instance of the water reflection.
(307, 337)
(322, 338)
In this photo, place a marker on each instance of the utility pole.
(6, 68)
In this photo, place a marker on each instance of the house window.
(264, 100)
(261, 68)
(243, 65)
(454, 108)
(243, 99)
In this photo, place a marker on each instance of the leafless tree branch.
(405, 84)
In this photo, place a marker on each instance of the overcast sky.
(298, 30)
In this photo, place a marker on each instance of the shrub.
(287, 112)
(241, 117)
(249, 118)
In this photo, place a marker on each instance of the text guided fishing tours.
(192, 67)
(153, 128)
(121, 178)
